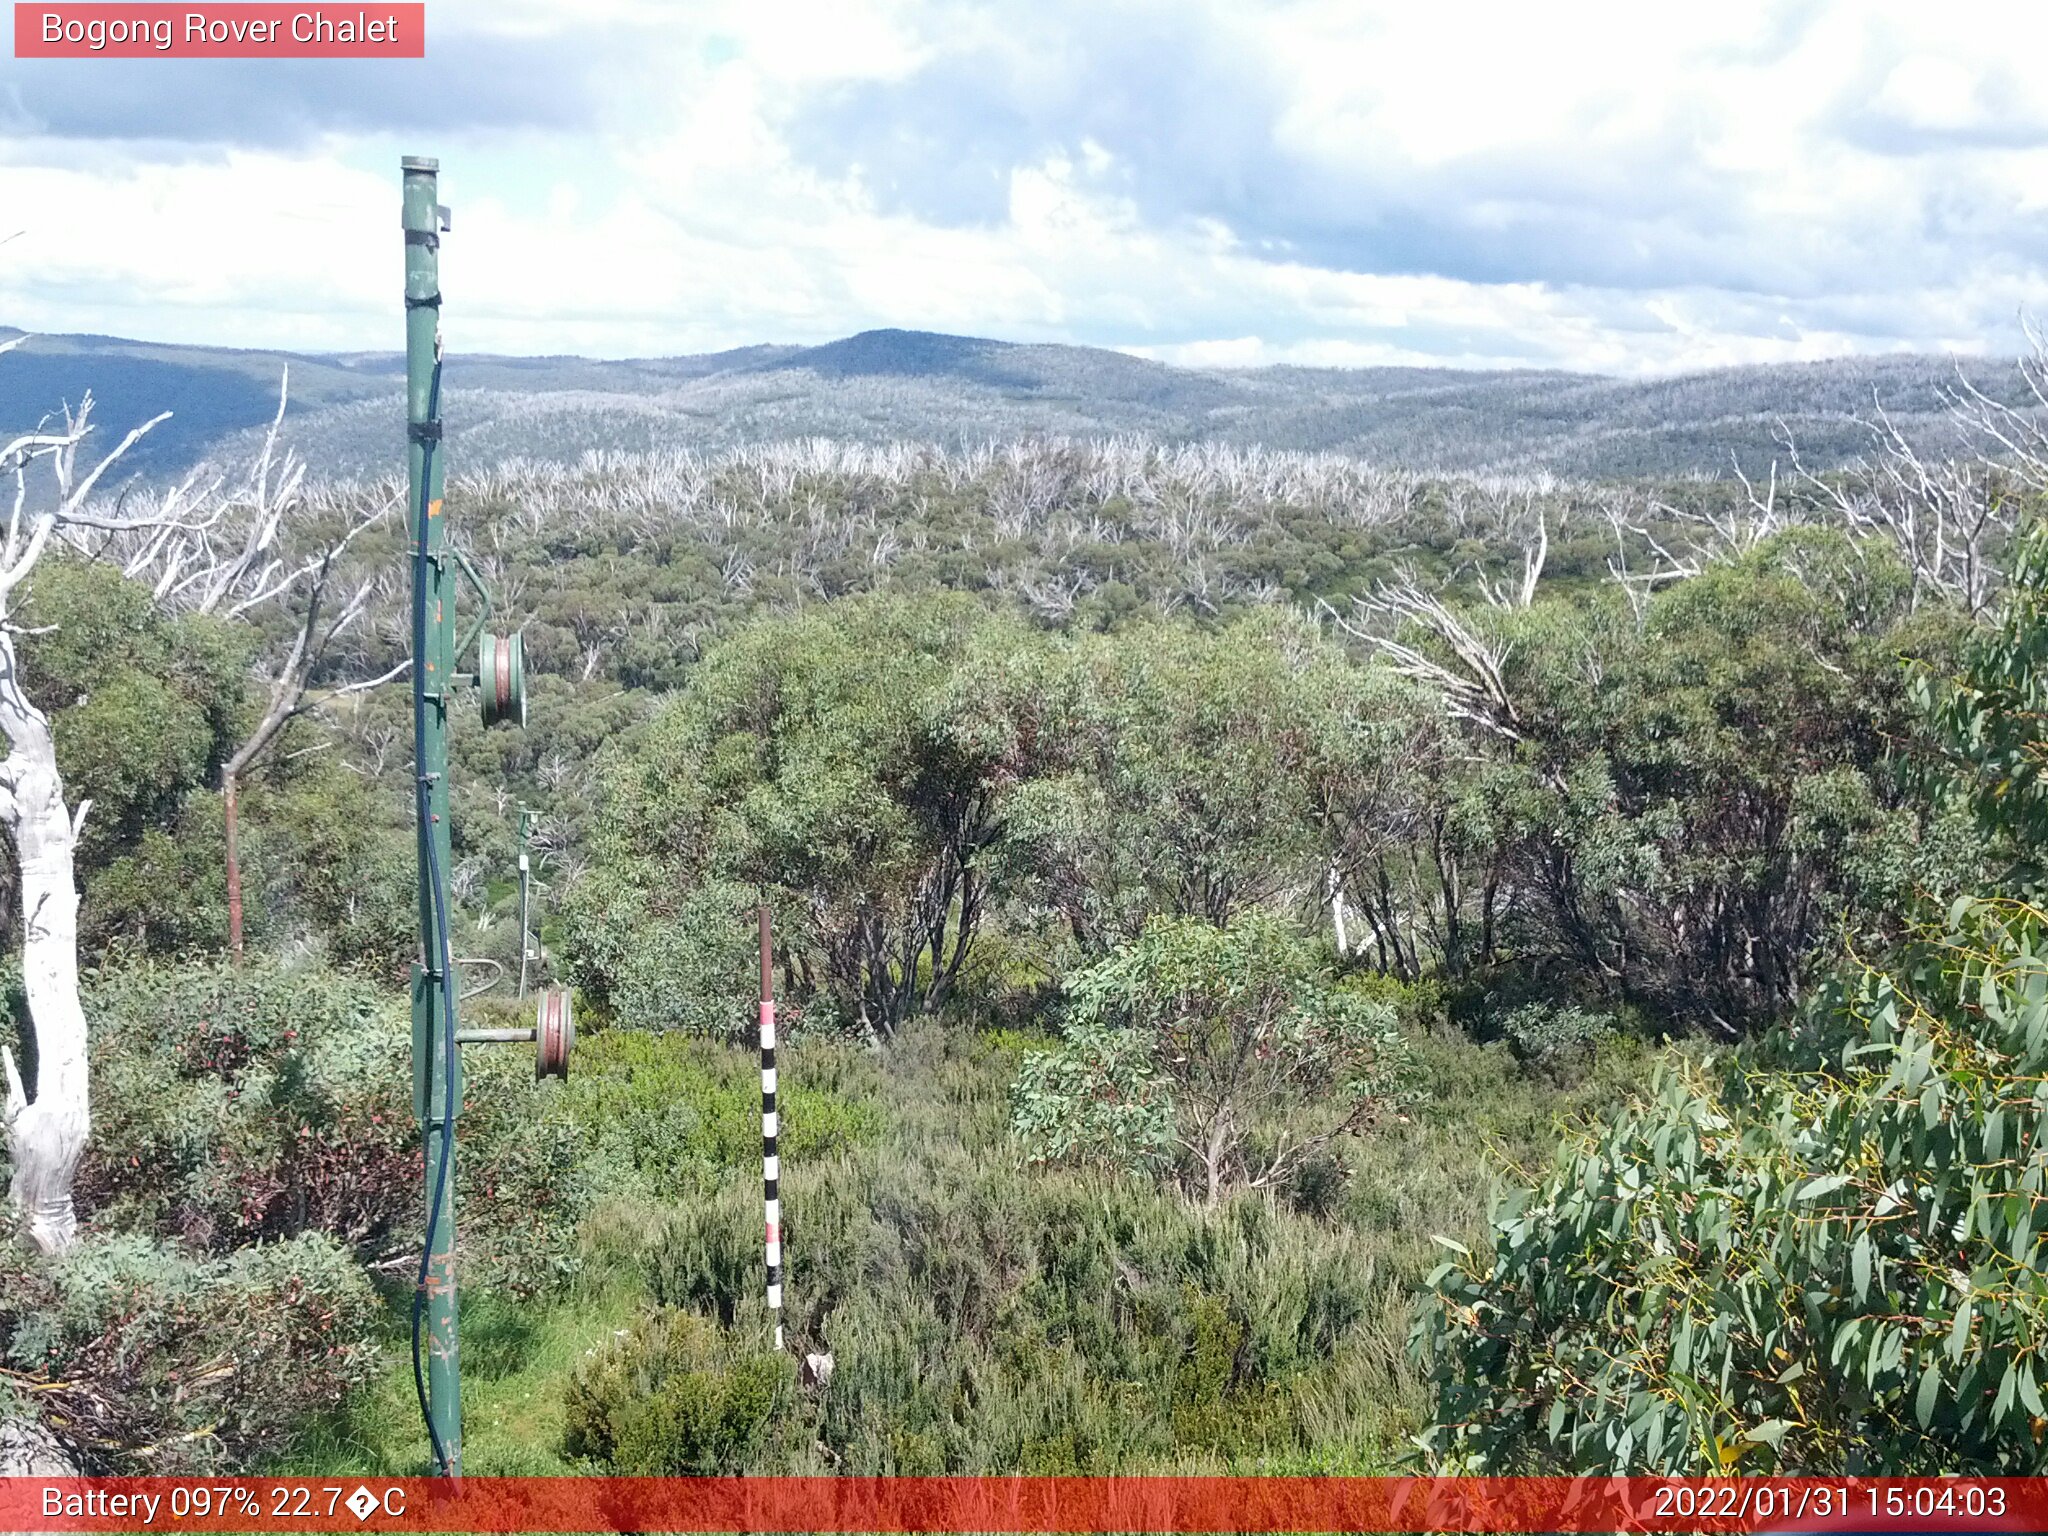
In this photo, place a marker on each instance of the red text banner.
(1080, 1504)
(220, 31)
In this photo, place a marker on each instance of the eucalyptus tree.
(850, 766)
(1673, 796)
(1220, 1055)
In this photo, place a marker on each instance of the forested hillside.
(1202, 875)
(885, 387)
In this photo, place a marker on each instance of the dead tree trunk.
(1334, 887)
(191, 574)
(46, 1129)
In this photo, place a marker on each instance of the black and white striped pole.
(771, 1163)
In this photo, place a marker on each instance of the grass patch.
(516, 1357)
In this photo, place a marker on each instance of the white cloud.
(1610, 186)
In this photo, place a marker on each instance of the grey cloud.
(2008, 113)
(1160, 85)
(1178, 97)
(478, 83)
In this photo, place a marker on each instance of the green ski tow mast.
(501, 682)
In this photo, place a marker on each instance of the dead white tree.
(1637, 583)
(1535, 551)
(288, 700)
(1472, 680)
(47, 1123)
(1948, 517)
(1944, 516)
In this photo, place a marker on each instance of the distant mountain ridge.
(346, 409)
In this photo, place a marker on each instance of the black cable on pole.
(424, 815)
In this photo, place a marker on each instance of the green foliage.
(1697, 792)
(241, 1104)
(328, 861)
(1096, 1097)
(1198, 773)
(233, 1105)
(985, 1317)
(709, 1256)
(902, 773)
(144, 708)
(672, 1116)
(1063, 1324)
(834, 764)
(1989, 720)
(1554, 1032)
(667, 960)
(1820, 1254)
(677, 1398)
(1226, 1050)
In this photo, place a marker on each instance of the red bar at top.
(368, 29)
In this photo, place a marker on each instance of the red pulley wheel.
(554, 1034)
(501, 679)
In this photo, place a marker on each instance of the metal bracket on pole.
(483, 594)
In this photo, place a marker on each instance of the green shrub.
(235, 1104)
(676, 1397)
(673, 1115)
(1227, 1050)
(173, 1363)
(711, 1253)
(986, 1317)
(240, 1104)
(666, 962)
(1554, 1032)
(1817, 1256)
(1096, 1097)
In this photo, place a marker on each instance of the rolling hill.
(881, 385)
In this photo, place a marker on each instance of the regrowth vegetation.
(1197, 874)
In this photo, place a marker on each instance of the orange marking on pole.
(433, 509)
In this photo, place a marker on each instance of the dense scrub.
(1658, 813)
(1169, 946)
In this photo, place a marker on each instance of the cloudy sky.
(1629, 188)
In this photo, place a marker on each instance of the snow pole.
(771, 1163)
(525, 925)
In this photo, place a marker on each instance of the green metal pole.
(434, 1023)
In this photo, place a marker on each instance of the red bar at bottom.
(992, 1504)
